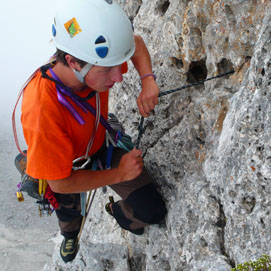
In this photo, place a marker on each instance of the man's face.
(103, 78)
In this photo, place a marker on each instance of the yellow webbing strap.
(42, 186)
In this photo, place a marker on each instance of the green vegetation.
(262, 264)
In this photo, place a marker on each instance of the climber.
(94, 40)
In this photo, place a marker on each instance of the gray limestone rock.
(208, 147)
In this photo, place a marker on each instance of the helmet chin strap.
(81, 75)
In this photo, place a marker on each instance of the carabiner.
(80, 159)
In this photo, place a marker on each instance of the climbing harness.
(35, 188)
(141, 128)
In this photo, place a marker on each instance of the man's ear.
(72, 63)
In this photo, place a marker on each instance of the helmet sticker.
(102, 51)
(100, 39)
(72, 27)
(53, 30)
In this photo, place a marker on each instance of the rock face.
(208, 147)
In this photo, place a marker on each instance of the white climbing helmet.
(95, 31)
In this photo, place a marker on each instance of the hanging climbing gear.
(86, 205)
(141, 128)
(44, 204)
(37, 189)
(27, 184)
(140, 132)
(117, 138)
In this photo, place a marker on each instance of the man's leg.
(141, 204)
(69, 219)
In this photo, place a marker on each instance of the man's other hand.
(131, 165)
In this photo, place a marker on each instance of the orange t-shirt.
(53, 135)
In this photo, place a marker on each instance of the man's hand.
(148, 97)
(131, 165)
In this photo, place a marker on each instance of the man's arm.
(148, 97)
(130, 167)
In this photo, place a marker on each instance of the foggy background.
(25, 45)
(26, 240)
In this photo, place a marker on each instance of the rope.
(194, 84)
(88, 206)
(141, 124)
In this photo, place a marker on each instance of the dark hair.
(60, 57)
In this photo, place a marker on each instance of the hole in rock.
(248, 203)
(224, 66)
(230, 14)
(162, 7)
(197, 71)
(177, 62)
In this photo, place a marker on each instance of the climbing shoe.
(68, 249)
(108, 206)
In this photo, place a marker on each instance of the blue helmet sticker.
(102, 51)
(100, 39)
(54, 30)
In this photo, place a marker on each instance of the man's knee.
(147, 204)
(69, 207)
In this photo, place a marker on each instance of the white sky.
(25, 45)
